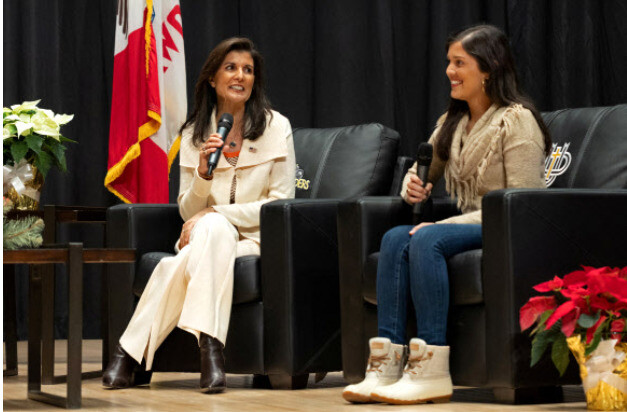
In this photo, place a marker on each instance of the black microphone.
(224, 127)
(425, 154)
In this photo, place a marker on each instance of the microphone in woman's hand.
(425, 154)
(224, 127)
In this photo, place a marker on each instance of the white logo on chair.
(300, 182)
(556, 163)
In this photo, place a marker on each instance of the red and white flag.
(149, 99)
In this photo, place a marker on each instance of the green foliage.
(43, 162)
(542, 321)
(587, 321)
(560, 353)
(19, 149)
(595, 342)
(58, 151)
(22, 233)
(541, 342)
(34, 143)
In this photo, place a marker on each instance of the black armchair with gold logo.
(529, 236)
(285, 320)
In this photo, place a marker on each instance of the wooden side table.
(74, 256)
(52, 216)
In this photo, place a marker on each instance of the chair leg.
(543, 394)
(285, 381)
(261, 382)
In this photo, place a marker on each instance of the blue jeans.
(415, 266)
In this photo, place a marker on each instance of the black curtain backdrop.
(328, 63)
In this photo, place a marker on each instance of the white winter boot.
(426, 377)
(385, 366)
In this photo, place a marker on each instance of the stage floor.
(177, 392)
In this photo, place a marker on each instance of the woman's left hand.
(420, 226)
(188, 226)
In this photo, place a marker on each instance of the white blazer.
(265, 171)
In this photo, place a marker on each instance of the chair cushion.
(146, 266)
(464, 274)
(246, 282)
(464, 278)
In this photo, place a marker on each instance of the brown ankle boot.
(212, 378)
(123, 371)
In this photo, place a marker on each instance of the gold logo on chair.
(556, 163)
(300, 182)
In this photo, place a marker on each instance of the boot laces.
(376, 362)
(414, 366)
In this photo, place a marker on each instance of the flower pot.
(23, 184)
(603, 373)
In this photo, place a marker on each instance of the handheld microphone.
(224, 127)
(424, 157)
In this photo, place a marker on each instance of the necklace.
(233, 140)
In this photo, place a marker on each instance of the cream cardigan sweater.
(505, 149)
(265, 172)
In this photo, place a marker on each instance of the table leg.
(75, 325)
(104, 316)
(75, 333)
(47, 328)
(34, 331)
(48, 290)
(34, 342)
(10, 324)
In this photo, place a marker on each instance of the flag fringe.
(174, 150)
(146, 130)
(148, 34)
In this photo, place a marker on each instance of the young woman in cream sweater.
(490, 138)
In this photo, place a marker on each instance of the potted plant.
(32, 144)
(585, 312)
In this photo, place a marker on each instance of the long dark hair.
(205, 98)
(490, 48)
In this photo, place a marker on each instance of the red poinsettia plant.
(591, 302)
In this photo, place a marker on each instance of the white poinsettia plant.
(33, 135)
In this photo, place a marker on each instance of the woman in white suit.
(193, 290)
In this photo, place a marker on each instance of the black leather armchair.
(285, 317)
(529, 236)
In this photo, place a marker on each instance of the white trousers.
(192, 290)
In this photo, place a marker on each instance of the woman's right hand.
(208, 147)
(416, 193)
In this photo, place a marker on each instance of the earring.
(483, 85)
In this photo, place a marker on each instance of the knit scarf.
(466, 166)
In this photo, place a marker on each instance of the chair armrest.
(361, 225)
(529, 236)
(363, 222)
(299, 273)
(146, 228)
